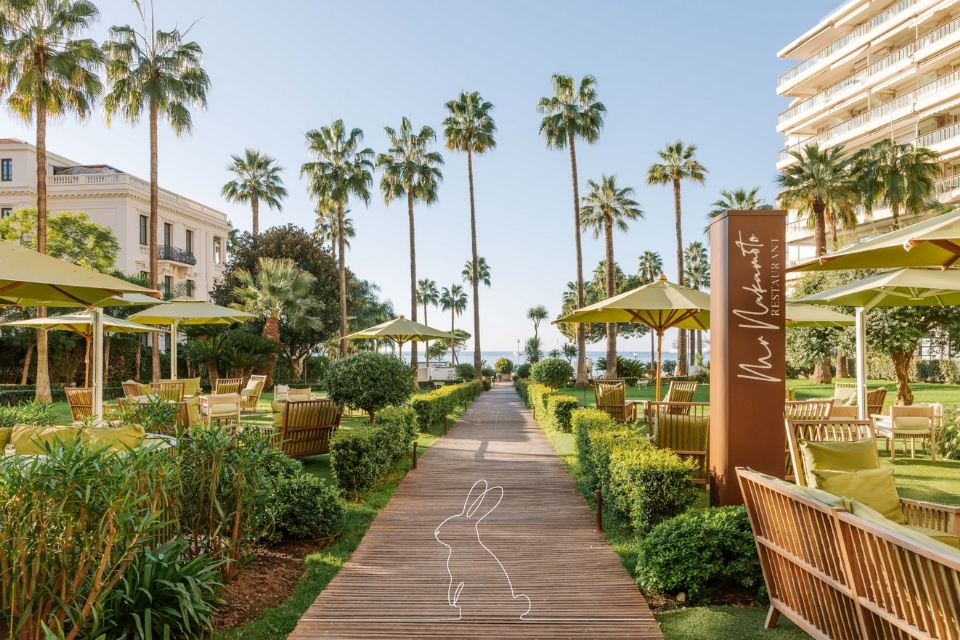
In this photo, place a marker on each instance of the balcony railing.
(168, 252)
(950, 184)
(935, 137)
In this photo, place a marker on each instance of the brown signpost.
(747, 303)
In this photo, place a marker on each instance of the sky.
(698, 70)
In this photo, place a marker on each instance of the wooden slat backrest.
(611, 396)
(307, 427)
(680, 391)
(803, 410)
(824, 431)
(168, 390)
(131, 388)
(228, 385)
(80, 401)
(875, 399)
(844, 390)
(684, 428)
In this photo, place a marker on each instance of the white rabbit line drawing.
(470, 508)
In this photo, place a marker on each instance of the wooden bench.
(307, 426)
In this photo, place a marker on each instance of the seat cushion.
(814, 494)
(30, 439)
(837, 455)
(918, 424)
(278, 407)
(872, 487)
(223, 409)
(117, 438)
(946, 538)
(5, 435)
(863, 511)
(191, 386)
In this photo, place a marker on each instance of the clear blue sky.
(701, 70)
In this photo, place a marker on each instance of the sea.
(493, 356)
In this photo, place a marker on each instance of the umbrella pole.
(96, 332)
(860, 316)
(86, 361)
(659, 360)
(173, 350)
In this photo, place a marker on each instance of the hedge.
(432, 407)
(22, 394)
(522, 388)
(650, 485)
(582, 422)
(361, 456)
(559, 409)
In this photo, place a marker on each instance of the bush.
(369, 381)
(650, 485)
(699, 551)
(465, 371)
(489, 372)
(538, 395)
(360, 457)
(553, 372)
(308, 508)
(503, 365)
(487, 385)
(583, 421)
(38, 413)
(523, 371)
(432, 407)
(669, 367)
(521, 386)
(559, 409)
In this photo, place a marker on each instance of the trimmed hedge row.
(431, 408)
(361, 456)
(560, 407)
(26, 394)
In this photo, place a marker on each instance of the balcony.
(175, 254)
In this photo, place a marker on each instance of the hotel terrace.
(874, 69)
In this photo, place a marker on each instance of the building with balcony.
(191, 249)
(874, 69)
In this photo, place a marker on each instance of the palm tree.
(48, 73)
(427, 294)
(483, 270)
(258, 178)
(573, 112)
(697, 272)
(469, 127)
(411, 171)
(605, 207)
(537, 314)
(277, 291)
(678, 163)
(326, 228)
(341, 170)
(737, 200)
(454, 300)
(157, 71)
(897, 176)
(650, 268)
(532, 347)
(569, 351)
(820, 178)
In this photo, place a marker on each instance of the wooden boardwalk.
(521, 562)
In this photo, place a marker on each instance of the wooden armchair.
(844, 390)
(250, 395)
(610, 396)
(81, 402)
(680, 391)
(683, 428)
(913, 422)
(307, 427)
(131, 388)
(228, 385)
(803, 410)
(168, 390)
(220, 407)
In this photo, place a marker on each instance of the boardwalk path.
(535, 556)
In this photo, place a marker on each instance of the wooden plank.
(523, 546)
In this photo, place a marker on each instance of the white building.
(874, 69)
(192, 245)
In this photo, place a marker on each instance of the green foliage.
(488, 372)
(650, 485)
(523, 371)
(503, 365)
(369, 381)
(559, 410)
(465, 371)
(626, 368)
(537, 396)
(431, 408)
(361, 456)
(583, 421)
(699, 551)
(307, 508)
(595, 290)
(553, 372)
(72, 237)
(881, 367)
(669, 366)
(156, 415)
(38, 413)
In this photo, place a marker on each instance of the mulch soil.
(734, 597)
(266, 582)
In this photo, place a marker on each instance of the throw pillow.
(116, 438)
(29, 439)
(861, 454)
(872, 487)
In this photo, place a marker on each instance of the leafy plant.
(650, 485)
(523, 371)
(431, 408)
(559, 410)
(503, 365)
(669, 367)
(359, 457)
(308, 508)
(553, 372)
(465, 371)
(369, 381)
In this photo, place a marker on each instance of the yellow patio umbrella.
(401, 331)
(660, 305)
(812, 315)
(180, 311)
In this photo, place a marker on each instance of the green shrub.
(559, 409)
(523, 370)
(582, 422)
(503, 365)
(465, 371)
(650, 485)
(538, 395)
(603, 443)
(488, 372)
(487, 385)
(369, 381)
(38, 413)
(398, 429)
(522, 388)
(553, 372)
(278, 465)
(431, 408)
(699, 551)
(361, 456)
(308, 508)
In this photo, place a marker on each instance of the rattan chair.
(80, 401)
(307, 427)
(220, 407)
(131, 388)
(610, 397)
(823, 431)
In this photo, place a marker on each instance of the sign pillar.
(747, 344)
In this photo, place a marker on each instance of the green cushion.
(117, 438)
(872, 487)
(224, 409)
(912, 423)
(278, 419)
(837, 455)
(145, 388)
(278, 407)
(251, 386)
(191, 386)
(29, 439)
(946, 538)
(828, 499)
(863, 511)
(5, 435)
(193, 408)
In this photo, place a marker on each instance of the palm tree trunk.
(611, 291)
(106, 358)
(343, 281)
(476, 271)
(895, 214)
(43, 367)
(413, 281)
(26, 362)
(453, 341)
(426, 343)
(255, 205)
(154, 225)
(682, 338)
(581, 330)
(819, 227)
(271, 329)
(213, 373)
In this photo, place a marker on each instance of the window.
(5, 211)
(189, 245)
(168, 285)
(167, 234)
(191, 288)
(144, 236)
(6, 169)
(217, 248)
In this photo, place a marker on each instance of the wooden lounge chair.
(220, 407)
(169, 390)
(228, 385)
(81, 402)
(611, 397)
(848, 409)
(844, 390)
(803, 410)
(679, 394)
(131, 388)
(250, 395)
(307, 427)
(875, 399)
(913, 422)
(686, 432)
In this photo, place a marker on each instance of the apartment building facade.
(874, 69)
(192, 237)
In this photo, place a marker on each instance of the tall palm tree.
(483, 271)
(455, 300)
(327, 227)
(820, 178)
(678, 162)
(537, 315)
(897, 176)
(469, 127)
(411, 171)
(159, 72)
(427, 294)
(605, 207)
(569, 351)
(697, 272)
(48, 72)
(341, 169)
(650, 268)
(277, 291)
(258, 179)
(573, 112)
(737, 200)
